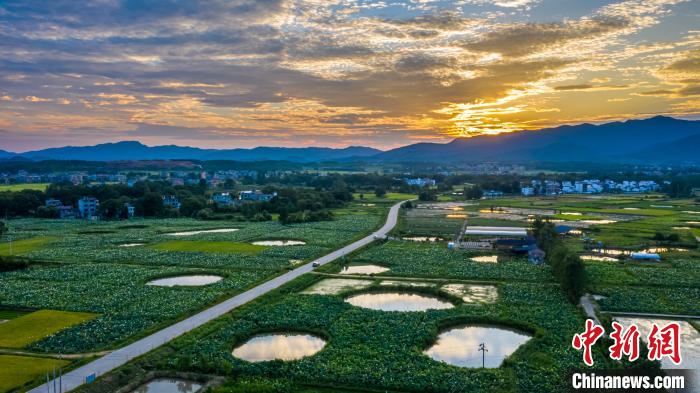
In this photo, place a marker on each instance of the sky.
(244, 73)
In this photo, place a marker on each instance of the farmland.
(26, 329)
(209, 246)
(21, 187)
(101, 269)
(19, 370)
(378, 350)
(365, 349)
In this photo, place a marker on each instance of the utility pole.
(483, 350)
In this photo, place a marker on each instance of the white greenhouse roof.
(496, 231)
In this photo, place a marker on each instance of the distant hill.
(132, 150)
(657, 139)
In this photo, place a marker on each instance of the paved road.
(123, 355)
(588, 307)
(651, 315)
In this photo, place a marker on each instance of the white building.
(527, 191)
(88, 207)
(222, 198)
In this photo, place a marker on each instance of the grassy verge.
(208, 246)
(17, 371)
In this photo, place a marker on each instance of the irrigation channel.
(121, 356)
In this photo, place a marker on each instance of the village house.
(130, 210)
(66, 212)
(53, 203)
(89, 208)
(171, 201)
(255, 196)
(223, 198)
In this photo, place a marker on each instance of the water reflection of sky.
(363, 269)
(279, 243)
(169, 385)
(690, 340)
(188, 281)
(394, 301)
(332, 286)
(460, 346)
(279, 346)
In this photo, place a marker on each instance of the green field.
(24, 186)
(209, 246)
(24, 330)
(18, 370)
(366, 350)
(390, 196)
(87, 268)
(23, 246)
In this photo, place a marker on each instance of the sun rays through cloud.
(292, 72)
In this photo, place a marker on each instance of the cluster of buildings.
(23, 177)
(88, 208)
(175, 178)
(516, 240)
(226, 199)
(594, 186)
(420, 182)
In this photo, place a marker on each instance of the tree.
(427, 195)
(380, 192)
(569, 271)
(473, 192)
(151, 205)
(3, 228)
(191, 206)
(545, 234)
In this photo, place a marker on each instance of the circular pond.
(279, 243)
(186, 281)
(459, 346)
(169, 385)
(279, 346)
(398, 301)
(199, 232)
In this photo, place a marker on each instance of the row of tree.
(566, 265)
(293, 204)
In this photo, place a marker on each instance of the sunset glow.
(336, 73)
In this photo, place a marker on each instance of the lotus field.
(104, 268)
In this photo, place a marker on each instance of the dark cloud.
(525, 39)
(573, 87)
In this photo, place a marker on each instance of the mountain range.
(658, 139)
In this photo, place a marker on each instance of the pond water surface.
(169, 385)
(363, 269)
(650, 250)
(422, 239)
(131, 244)
(459, 346)
(279, 243)
(599, 258)
(472, 293)
(690, 341)
(398, 301)
(186, 281)
(485, 259)
(279, 346)
(190, 233)
(332, 286)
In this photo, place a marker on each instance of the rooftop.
(496, 231)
